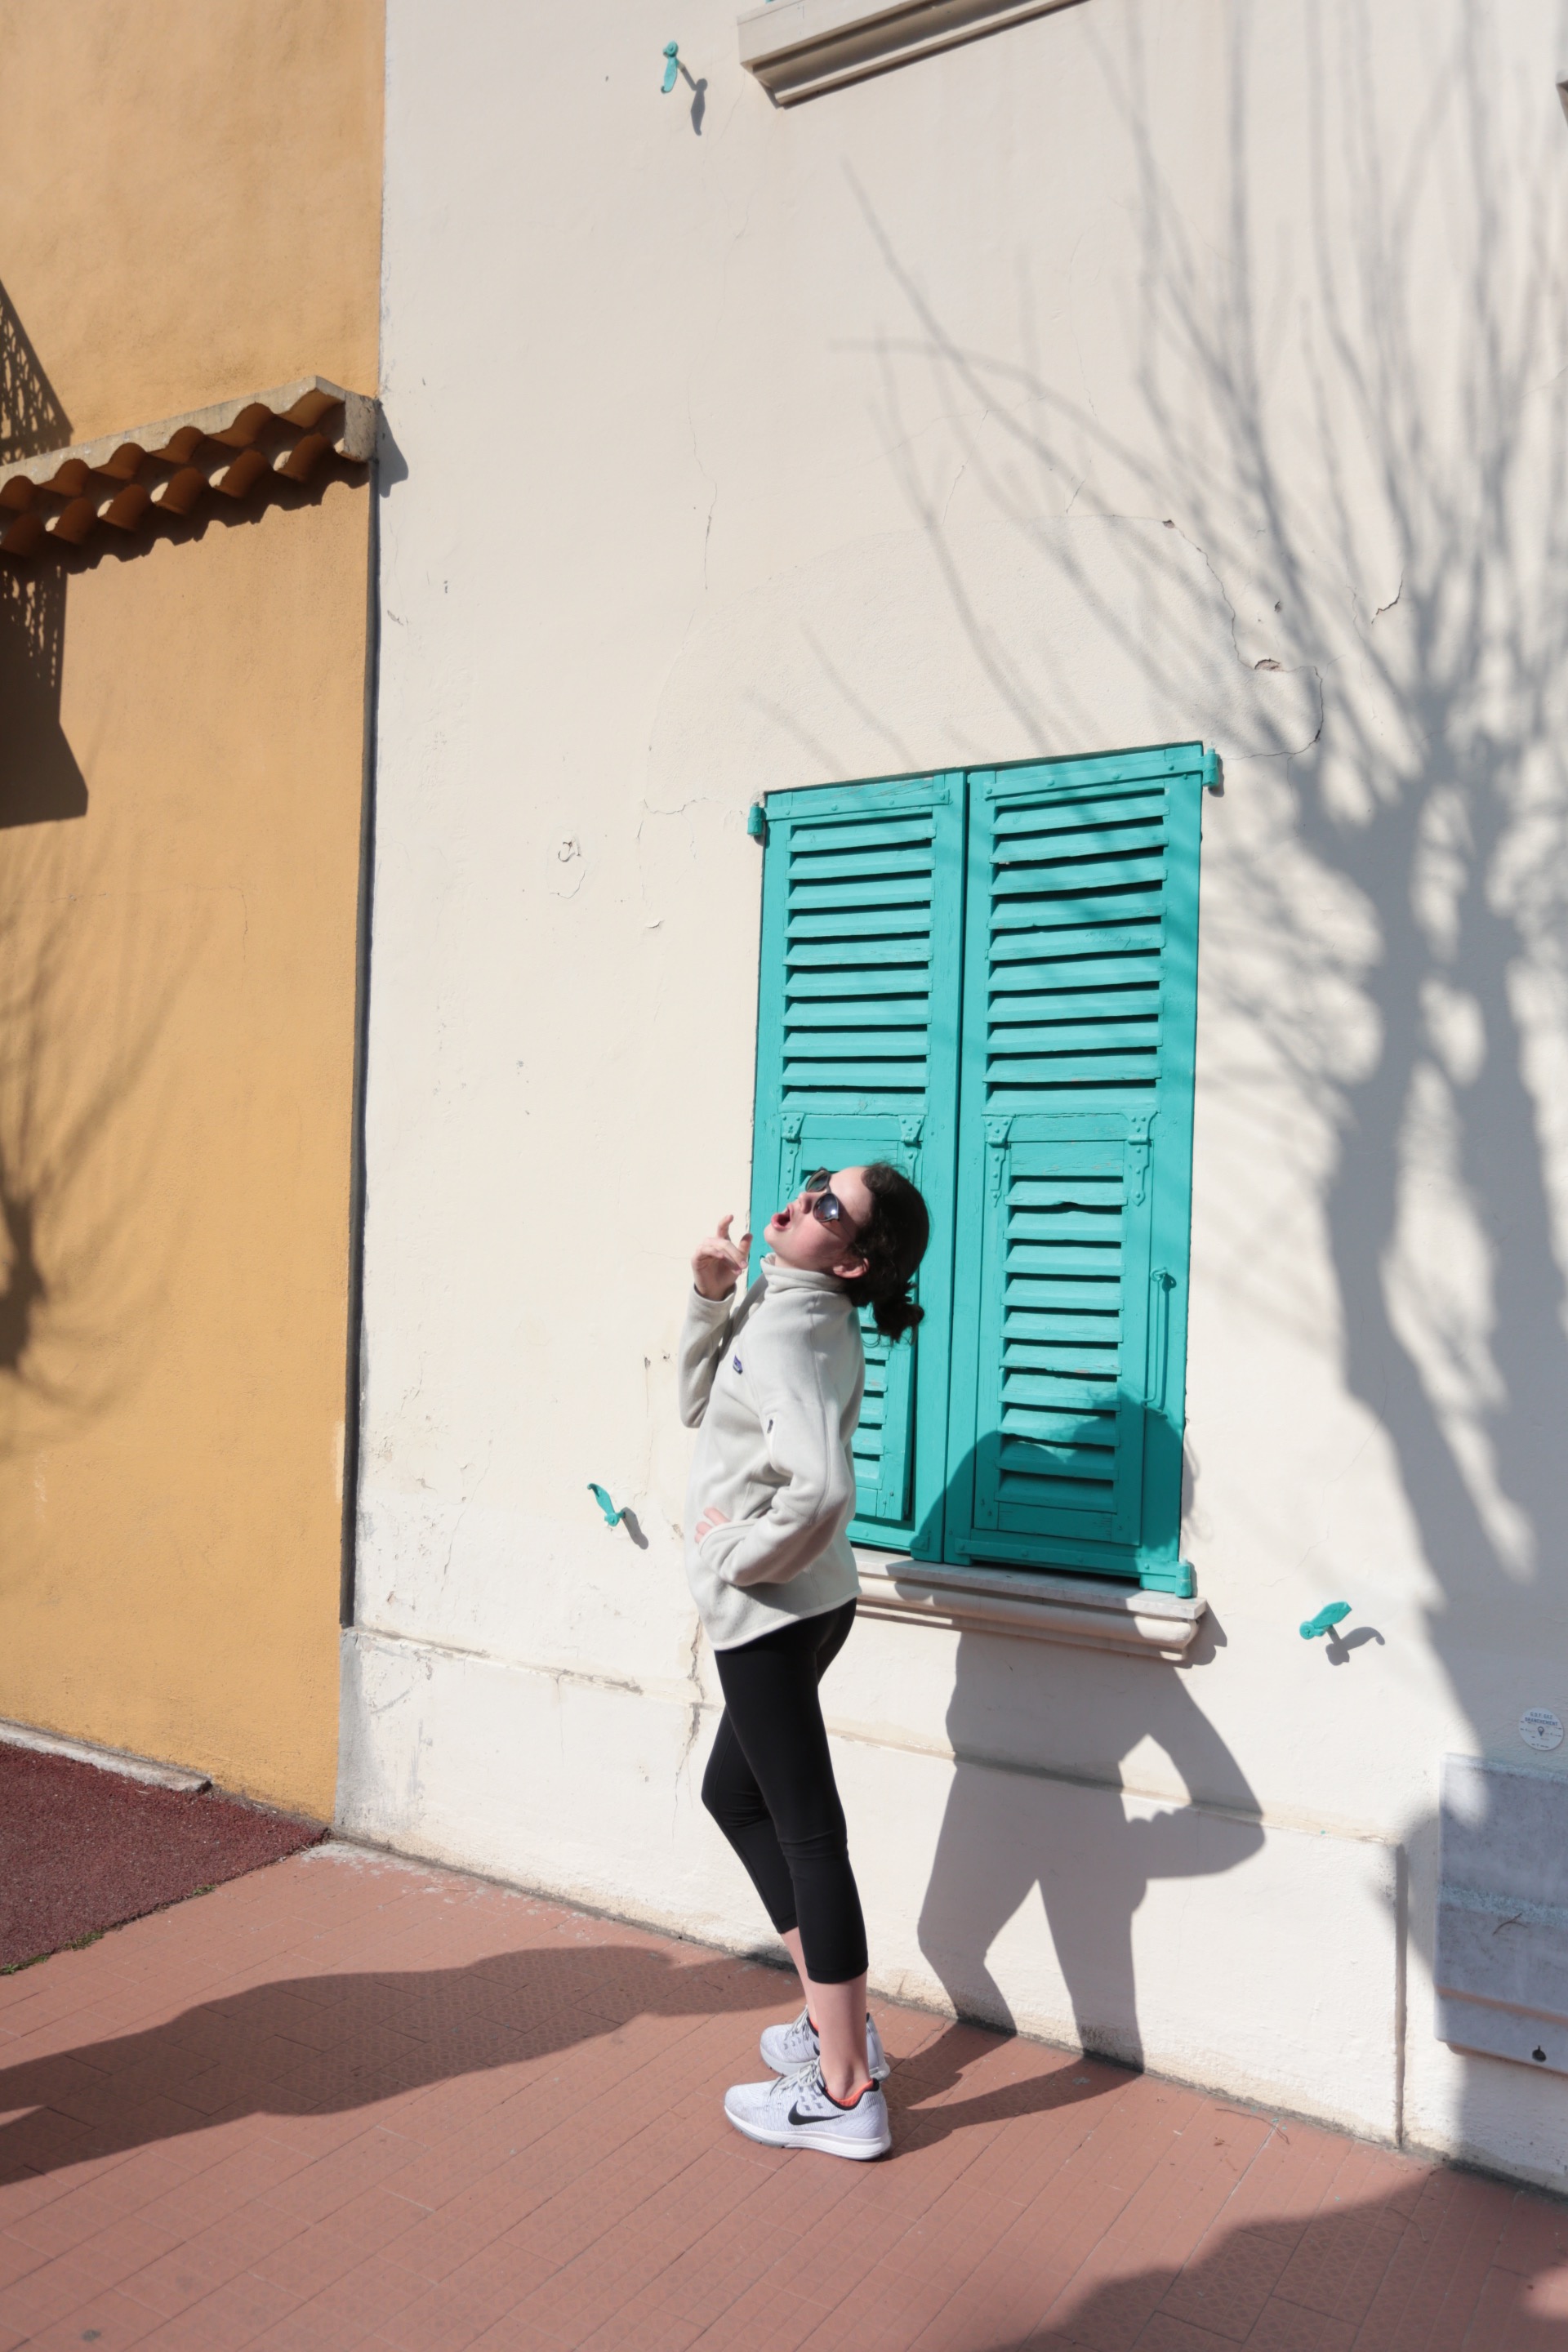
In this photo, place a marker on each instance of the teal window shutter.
(858, 1060)
(1075, 1165)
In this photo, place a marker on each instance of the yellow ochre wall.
(189, 208)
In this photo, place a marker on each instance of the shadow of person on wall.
(1006, 1834)
(1012, 1825)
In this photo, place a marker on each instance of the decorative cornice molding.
(127, 479)
(1088, 1612)
(799, 49)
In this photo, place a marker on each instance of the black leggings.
(770, 1787)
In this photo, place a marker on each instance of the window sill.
(1087, 1611)
(798, 48)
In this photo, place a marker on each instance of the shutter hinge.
(1138, 1145)
(910, 1128)
(997, 1131)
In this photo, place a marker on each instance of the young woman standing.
(772, 1378)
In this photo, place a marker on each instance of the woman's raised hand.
(719, 1263)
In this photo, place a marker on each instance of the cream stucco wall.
(189, 208)
(1130, 376)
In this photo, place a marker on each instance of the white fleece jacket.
(772, 1380)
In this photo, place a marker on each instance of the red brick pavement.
(348, 2103)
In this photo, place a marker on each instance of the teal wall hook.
(612, 1517)
(671, 65)
(1326, 1620)
(1213, 772)
(756, 822)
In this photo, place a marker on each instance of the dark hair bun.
(894, 1316)
(892, 1243)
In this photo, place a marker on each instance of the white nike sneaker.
(794, 2111)
(794, 2049)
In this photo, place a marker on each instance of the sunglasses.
(825, 1205)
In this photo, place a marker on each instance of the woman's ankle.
(854, 2087)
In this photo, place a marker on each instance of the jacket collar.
(780, 1277)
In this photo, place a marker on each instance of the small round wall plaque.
(1539, 1728)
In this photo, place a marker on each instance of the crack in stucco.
(711, 481)
(1286, 669)
(463, 1512)
(1171, 524)
(694, 1706)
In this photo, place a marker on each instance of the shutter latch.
(1159, 1336)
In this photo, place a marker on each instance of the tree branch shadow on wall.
(1375, 472)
